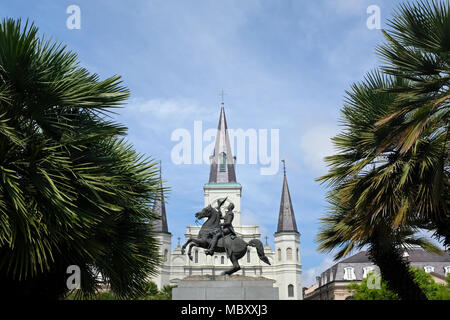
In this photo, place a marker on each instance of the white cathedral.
(285, 262)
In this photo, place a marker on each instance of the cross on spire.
(179, 241)
(222, 94)
(284, 166)
(266, 240)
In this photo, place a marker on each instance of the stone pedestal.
(225, 288)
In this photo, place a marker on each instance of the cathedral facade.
(285, 264)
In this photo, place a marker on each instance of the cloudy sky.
(282, 64)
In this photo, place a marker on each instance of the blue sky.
(282, 64)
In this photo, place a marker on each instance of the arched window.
(222, 260)
(290, 290)
(289, 254)
(223, 162)
(165, 255)
(349, 273)
(279, 254)
(248, 256)
(298, 255)
(196, 256)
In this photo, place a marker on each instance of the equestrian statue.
(215, 236)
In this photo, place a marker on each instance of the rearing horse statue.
(235, 248)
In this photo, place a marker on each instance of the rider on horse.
(227, 228)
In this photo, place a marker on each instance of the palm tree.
(72, 190)
(373, 193)
(417, 48)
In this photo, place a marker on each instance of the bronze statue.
(225, 228)
(215, 239)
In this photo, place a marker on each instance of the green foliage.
(150, 292)
(432, 290)
(100, 295)
(417, 50)
(153, 293)
(72, 190)
(362, 291)
(390, 176)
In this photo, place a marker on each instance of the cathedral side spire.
(159, 208)
(286, 218)
(222, 168)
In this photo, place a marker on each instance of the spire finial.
(179, 241)
(284, 166)
(222, 94)
(160, 169)
(266, 240)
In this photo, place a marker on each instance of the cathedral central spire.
(222, 161)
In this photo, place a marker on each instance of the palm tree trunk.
(394, 269)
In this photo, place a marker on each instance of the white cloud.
(316, 144)
(250, 218)
(167, 108)
(309, 275)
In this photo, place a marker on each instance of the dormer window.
(366, 271)
(447, 270)
(324, 278)
(223, 162)
(349, 273)
(428, 269)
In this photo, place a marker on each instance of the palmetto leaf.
(418, 49)
(72, 190)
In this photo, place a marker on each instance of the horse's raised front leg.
(185, 245)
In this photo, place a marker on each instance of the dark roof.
(420, 255)
(286, 216)
(414, 255)
(360, 257)
(227, 173)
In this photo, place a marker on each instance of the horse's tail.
(259, 249)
